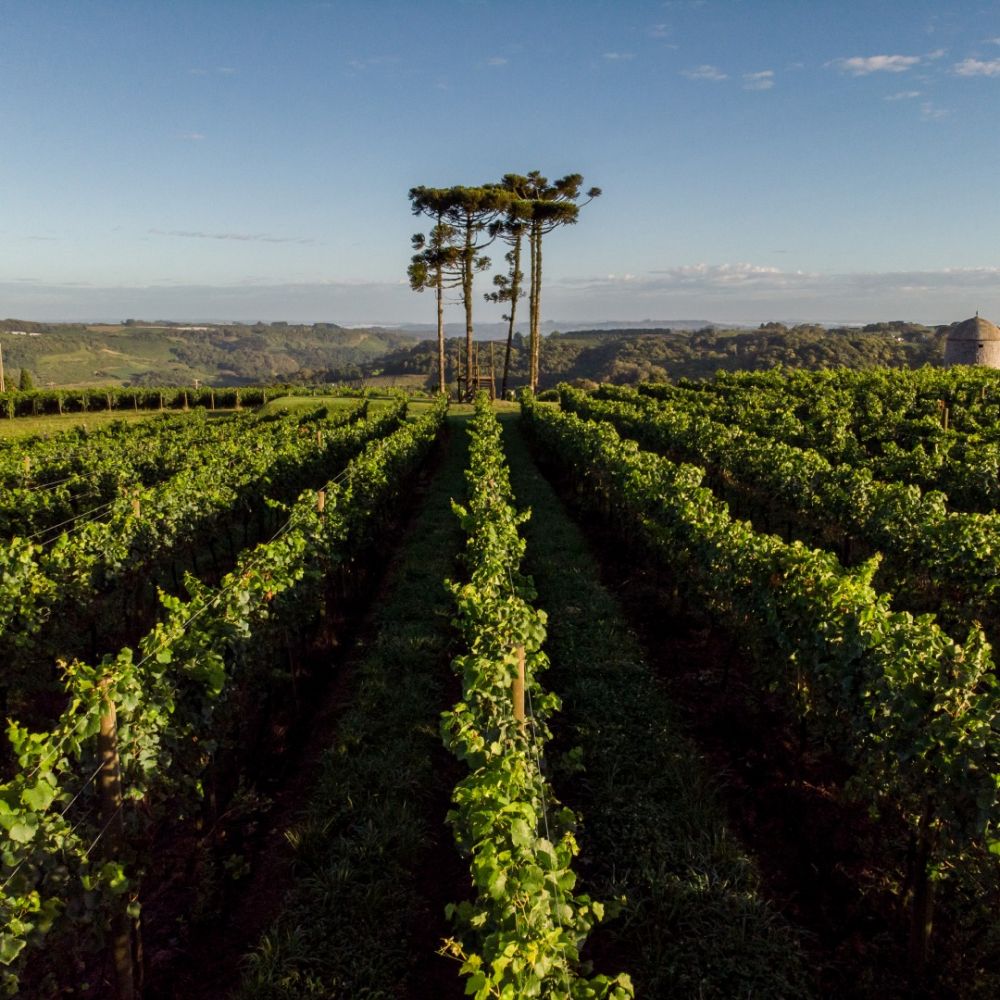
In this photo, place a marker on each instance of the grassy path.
(695, 924)
(374, 862)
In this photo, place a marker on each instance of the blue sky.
(759, 160)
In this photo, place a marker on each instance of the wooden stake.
(186, 407)
(27, 466)
(320, 501)
(213, 398)
(109, 785)
(136, 507)
(944, 418)
(518, 689)
(319, 438)
(3, 384)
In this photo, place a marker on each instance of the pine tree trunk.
(536, 308)
(515, 288)
(442, 387)
(467, 297)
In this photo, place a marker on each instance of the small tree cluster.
(466, 221)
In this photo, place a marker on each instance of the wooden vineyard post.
(212, 397)
(944, 418)
(238, 407)
(161, 401)
(135, 401)
(109, 786)
(518, 689)
(319, 438)
(107, 396)
(136, 507)
(186, 407)
(320, 501)
(27, 466)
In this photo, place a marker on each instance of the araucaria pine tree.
(437, 262)
(551, 206)
(472, 213)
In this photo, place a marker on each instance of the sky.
(759, 160)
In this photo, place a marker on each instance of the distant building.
(974, 341)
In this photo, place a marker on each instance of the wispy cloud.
(659, 31)
(496, 61)
(239, 237)
(931, 112)
(220, 70)
(764, 80)
(863, 65)
(937, 54)
(758, 280)
(977, 67)
(902, 95)
(370, 62)
(191, 136)
(618, 56)
(705, 72)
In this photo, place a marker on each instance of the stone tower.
(974, 341)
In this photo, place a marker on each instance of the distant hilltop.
(493, 331)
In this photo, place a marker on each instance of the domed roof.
(976, 328)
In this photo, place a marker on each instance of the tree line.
(466, 221)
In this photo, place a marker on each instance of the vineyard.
(668, 691)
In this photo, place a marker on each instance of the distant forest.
(628, 356)
(143, 353)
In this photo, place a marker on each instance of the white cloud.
(659, 31)
(977, 67)
(931, 112)
(764, 80)
(937, 54)
(192, 136)
(902, 95)
(496, 61)
(619, 56)
(863, 65)
(757, 282)
(705, 72)
(239, 237)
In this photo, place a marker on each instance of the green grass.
(54, 424)
(364, 839)
(287, 404)
(695, 923)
